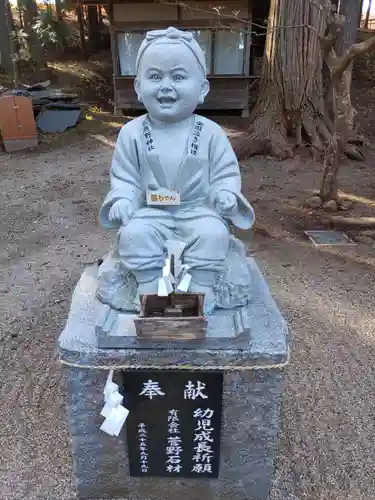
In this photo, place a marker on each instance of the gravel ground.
(49, 232)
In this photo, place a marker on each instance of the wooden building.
(230, 48)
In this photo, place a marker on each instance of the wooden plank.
(206, 2)
(110, 11)
(151, 304)
(17, 123)
(125, 342)
(171, 328)
(246, 70)
(214, 104)
(225, 93)
(176, 317)
(353, 222)
(192, 10)
(115, 54)
(210, 77)
(212, 55)
(222, 82)
(114, 46)
(82, 38)
(84, 3)
(150, 25)
(8, 118)
(143, 13)
(131, 102)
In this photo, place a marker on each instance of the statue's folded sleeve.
(225, 176)
(125, 176)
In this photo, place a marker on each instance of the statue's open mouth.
(166, 100)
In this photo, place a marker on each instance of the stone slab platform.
(252, 393)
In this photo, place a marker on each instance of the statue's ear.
(137, 88)
(205, 88)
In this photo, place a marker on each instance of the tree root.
(354, 153)
(268, 136)
(249, 145)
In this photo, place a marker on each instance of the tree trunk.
(13, 45)
(10, 17)
(368, 14)
(5, 40)
(30, 16)
(100, 16)
(93, 25)
(342, 111)
(59, 14)
(82, 38)
(290, 101)
(351, 9)
(329, 186)
(20, 13)
(60, 19)
(336, 148)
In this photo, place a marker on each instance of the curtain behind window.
(229, 52)
(204, 38)
(128, 45)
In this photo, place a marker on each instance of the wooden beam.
(352, 222)
(82, 38)
(246, 70)
(189, 24)
(212, 53)
(110, 11)
(367, 18)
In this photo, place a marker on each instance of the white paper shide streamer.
(178, 279)
(115, 414)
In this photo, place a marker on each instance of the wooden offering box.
(176, 317)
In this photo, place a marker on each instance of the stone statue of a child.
(173, 151)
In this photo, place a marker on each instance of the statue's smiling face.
(170, 81)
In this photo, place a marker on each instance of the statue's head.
(171, 74)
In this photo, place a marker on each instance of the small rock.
(346, 205)
(370, 233)
(367, 240)
(330, 206)
(314, 202)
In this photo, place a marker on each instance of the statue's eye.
(155, 77)
(178, 77)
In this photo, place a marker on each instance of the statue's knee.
(215, 234)
(132, 234)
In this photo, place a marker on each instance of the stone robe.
(209, 166)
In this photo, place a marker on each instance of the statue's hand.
(120, 211)
(226, 203)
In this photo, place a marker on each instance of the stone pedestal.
(252, 391)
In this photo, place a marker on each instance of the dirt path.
(49, 232)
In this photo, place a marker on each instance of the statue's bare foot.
(149, 287)
(209, 299)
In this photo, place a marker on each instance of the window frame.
(211, 31)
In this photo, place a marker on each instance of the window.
(204, 38)
(128, 45)
(225, 48)
(229, 52)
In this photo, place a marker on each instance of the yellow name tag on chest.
(163, 196)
